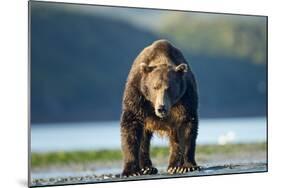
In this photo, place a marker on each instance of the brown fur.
(160, 96)
(164, 128)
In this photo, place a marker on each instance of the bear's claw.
(130, 175)
(182, 169)
(127, 174)
(144, 171)
(136, 174)
(149, 171)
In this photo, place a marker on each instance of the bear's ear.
(182, 68)
(145, 68)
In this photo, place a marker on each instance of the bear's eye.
(156, 87)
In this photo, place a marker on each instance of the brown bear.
(160, 96)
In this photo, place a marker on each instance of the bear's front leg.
(182, 144)
(189, 133)
(175, 158)
(145, 161)
(131, 135)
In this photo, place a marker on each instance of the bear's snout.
(161, 111)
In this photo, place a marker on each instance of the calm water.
(106, 135)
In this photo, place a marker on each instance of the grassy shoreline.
(69, 157)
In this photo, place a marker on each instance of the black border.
(132, 7)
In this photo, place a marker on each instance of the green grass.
(64, 158)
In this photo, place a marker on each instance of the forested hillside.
(79, 64)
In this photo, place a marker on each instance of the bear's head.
(163, 85)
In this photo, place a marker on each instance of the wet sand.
(205, 171)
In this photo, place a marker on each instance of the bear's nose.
(161, 109)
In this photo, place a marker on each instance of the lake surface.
(106, 135)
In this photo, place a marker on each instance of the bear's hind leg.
(145, 161)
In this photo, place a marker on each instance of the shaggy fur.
(160, 96)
